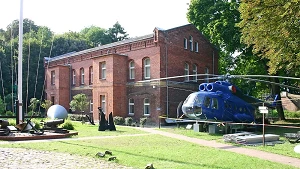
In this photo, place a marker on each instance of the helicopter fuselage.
(217, 101)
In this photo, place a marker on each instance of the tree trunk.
(276, 91)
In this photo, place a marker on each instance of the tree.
(96, 35)
(117, 33)
(272, 29)
(34, 104)
(79, 102)
(218, 20)
(46, 104)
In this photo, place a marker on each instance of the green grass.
(286, 148)
(87, 130)
(162, 151)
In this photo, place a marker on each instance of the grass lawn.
(163, 152)
(88, 130)
(286, 148)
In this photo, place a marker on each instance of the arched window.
(91, 75)
(191, 43)
(195, 72)
(185, 43)
(196, 47)
(186, 71)
(146, 106)
(53, 77)
(131, 70)
(147, 68)
(82, 76)
(73, 77)
(131, 107)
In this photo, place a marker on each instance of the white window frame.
(131, 106)
(103, 103)
(186, 72)
(131, 70)
(146, 107)
(147, 70)
(91, 106)
(73, 77)
(185, 43)
(196, 47)
(82, 76)
(53, 77)
(191, 43)
(195, 78)
(103, 70)
(91, 75)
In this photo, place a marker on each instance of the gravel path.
(18, 158)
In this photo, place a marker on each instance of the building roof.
(108, 45)
(100, 47)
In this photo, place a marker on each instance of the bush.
(128, 121)
(143, 121)
(75, 117)
(12, 122)
(119, 120)
(9, 113)
(37, 123)
(68, 125)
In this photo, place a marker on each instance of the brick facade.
(163, 53)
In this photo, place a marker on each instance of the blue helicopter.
(220, 101)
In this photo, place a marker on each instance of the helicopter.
(223, 101)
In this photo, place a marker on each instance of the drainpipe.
(70, 68)
(167, 93)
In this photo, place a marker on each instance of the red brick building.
(121, 77)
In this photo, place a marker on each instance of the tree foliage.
(79, 102)
(218, 20)
(272, 28)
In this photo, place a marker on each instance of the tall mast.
(20, 58)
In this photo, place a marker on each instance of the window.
(102, 97)
(195, 72)
(147, 68)
(91, 106)
(103, 70)
(53, 77)
(82, 76)
(131, 70)
(186, 72)
(185, 43)
(196, 47)
(146, 107)
(191, 43)
(73, 77)
(207, 102)
(207, 76)
(91, 75)
(131, 107)
(214, 104)
(52, 100)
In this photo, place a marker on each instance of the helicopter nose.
(192, 110)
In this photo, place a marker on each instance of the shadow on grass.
(150, 157)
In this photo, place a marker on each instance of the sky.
(137, 17)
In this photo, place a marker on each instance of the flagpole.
(20, 58)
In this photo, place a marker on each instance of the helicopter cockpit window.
(214, 103)
(200, 99)
(207, 102)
